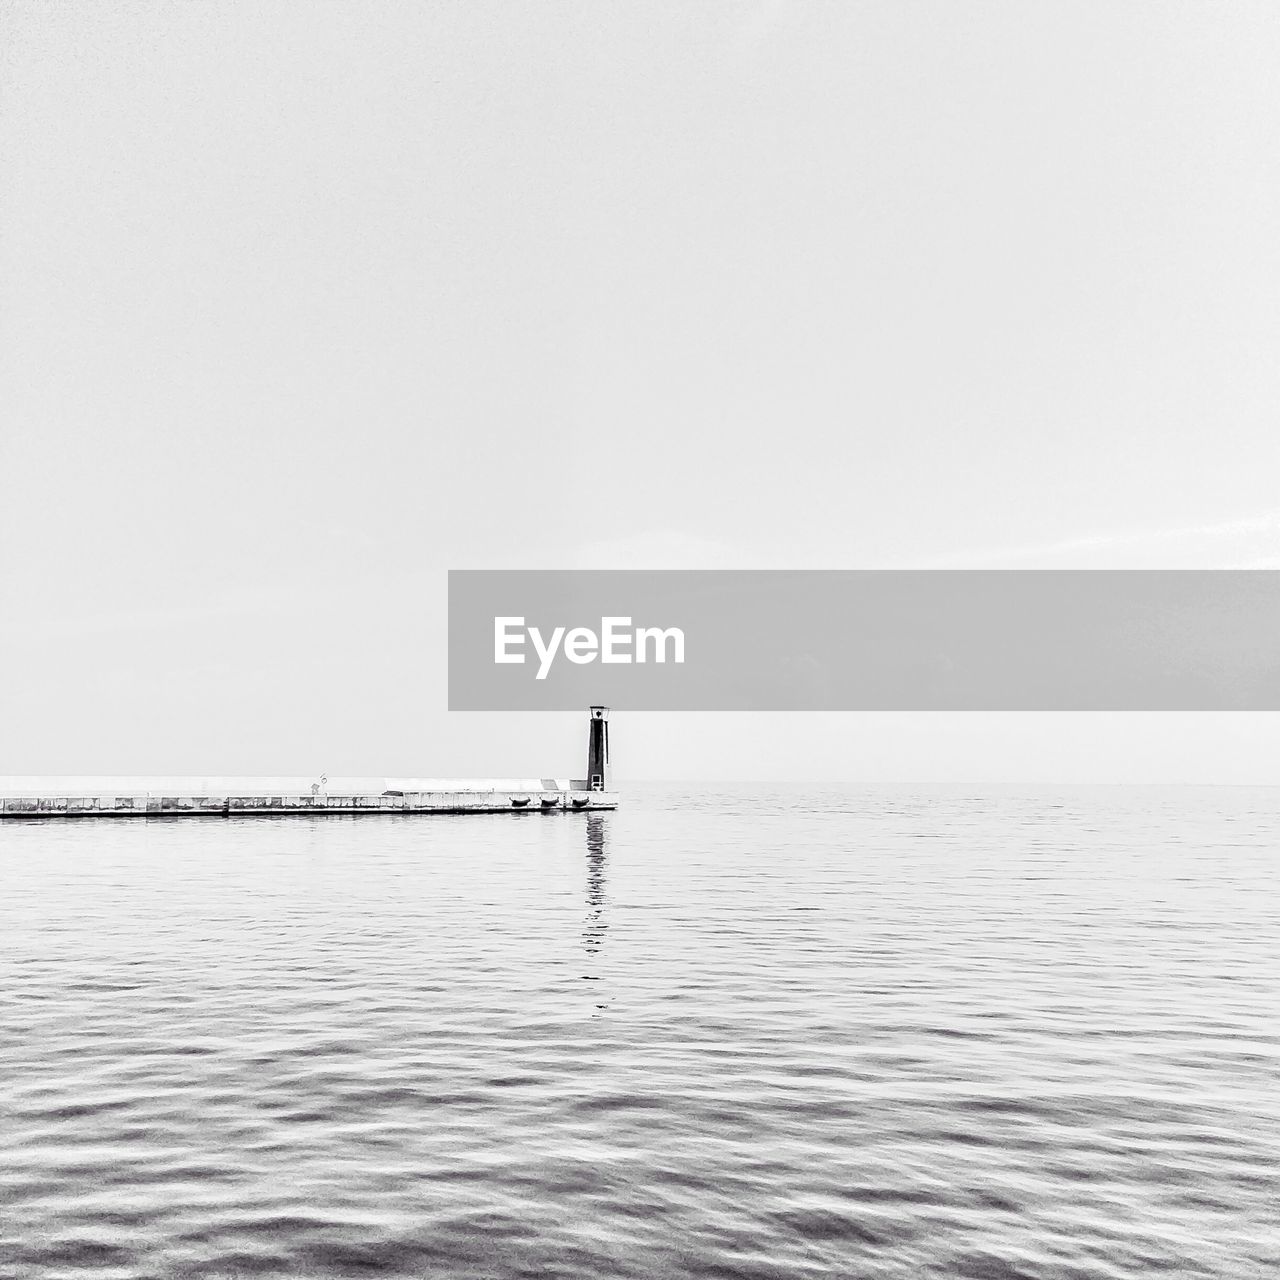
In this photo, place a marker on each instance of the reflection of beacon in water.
(595, 926)
(598, 748)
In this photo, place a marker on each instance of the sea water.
(726, 1032)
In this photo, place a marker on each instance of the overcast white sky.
(304, 305)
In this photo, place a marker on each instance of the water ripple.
(714, 1034)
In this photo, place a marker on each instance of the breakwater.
(65, 796)
(249, 801)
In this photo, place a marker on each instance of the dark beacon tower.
(598, 748)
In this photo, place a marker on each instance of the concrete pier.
(156, 797)
(124, 801)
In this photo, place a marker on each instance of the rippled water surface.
(733, 1033)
